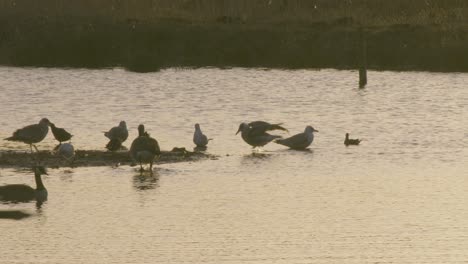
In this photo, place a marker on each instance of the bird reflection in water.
(146, 181)
(13, 214)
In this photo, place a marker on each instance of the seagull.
(144, 148)
(349, 141)
(255, 134)
(31, 134)
(119, 132)
(66, 151)
(60, 134)
(20, 193)
(199, 138)
(299, 141)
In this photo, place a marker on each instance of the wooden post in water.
(363, 66)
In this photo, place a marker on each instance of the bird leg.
(36, 148)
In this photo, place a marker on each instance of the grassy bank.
(420, 35)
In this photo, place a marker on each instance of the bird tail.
(279, 141)
(13, 138)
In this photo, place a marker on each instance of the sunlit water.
(399, 197)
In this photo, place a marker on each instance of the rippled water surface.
(399, 197)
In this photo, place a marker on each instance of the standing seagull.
(349, 141)
(144, 148)
(199, 138)
(299, 141)
(255, 133)
(119, 132)
(60, 134)
(31, 134)
(21, 193)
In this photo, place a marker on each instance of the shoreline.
(93, 158)
(141, 46)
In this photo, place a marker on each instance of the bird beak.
(315, 130)
(237, 131)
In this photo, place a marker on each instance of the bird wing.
(297, 140)
(29, 133)
(260, 127)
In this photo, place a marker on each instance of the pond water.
(399, 197)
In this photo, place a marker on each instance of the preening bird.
(20, 193)
(144, 148)
(31, 134)
(255, 133)
(299, 141)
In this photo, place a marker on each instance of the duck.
(20, 193)
(144, 148)
(299, 141)
(31, 134)
(349, 141)
(60, 134)
(119, 132)
(199, 138)
(255, 133)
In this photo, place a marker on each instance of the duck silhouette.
(144, 148)
(21, 193)
(348, 141)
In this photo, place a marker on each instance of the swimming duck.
(299, 141)
(17, 193)
(349, 141)
(31, 134)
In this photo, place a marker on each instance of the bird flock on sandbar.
(144, 148)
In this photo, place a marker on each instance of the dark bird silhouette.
(349, 141)
(114, 144)
(255, 133)
(144, 148)
(119, 132)
(31, 134)
(299, 141)
(60, 134)
(20, 193)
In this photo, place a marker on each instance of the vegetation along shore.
(153, 34)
